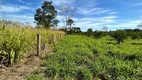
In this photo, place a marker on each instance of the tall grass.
(17, 42)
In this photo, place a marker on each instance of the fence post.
(38, 44)
(54, 38)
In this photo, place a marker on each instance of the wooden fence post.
(38, 44)
(54, 38)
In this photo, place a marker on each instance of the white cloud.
(101, 11)
(22, 1)
(129, 24)
(87, 11)
(58, 2)
(22, 18)
(112, 25)
(91, 22)
(112, 13)
(94, 22)
(94, 11)
(107, 19)
(138, 4)
(13, 8)
(90, 3)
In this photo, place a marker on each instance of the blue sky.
(115, 14)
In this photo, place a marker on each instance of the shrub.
(135, 36)
(119, 36)
(89, 32)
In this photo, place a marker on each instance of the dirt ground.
(23, 69)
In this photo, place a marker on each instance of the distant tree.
(67, 12)
(105, 28)
(89, 32)
(27, 24)
(70, 22)
(8, 23)
(119, 36)
(75, 30)
(78, 29)
(139, 26)
(135, 36)
(45, 15)
(99, 34)
(18, 23)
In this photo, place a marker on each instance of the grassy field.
(82, 58)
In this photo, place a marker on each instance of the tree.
(135, 35)
(99, 34)
(70, 22)
(75, 30)
(45, 15)
(89, 32)
(55, 23)
(105, 28)
(119, 36)
(139, 26)
(67, 12)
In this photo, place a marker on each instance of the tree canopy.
(45, 15)
(70, 22)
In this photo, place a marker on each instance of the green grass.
(35, 77)
(83, 58)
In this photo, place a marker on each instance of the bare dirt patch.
(23, 69)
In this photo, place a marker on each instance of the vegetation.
(70, 22)
(81, 58)
(90, 55)
(15, 44)
(35, 77)
(119, 36)
(45, 15)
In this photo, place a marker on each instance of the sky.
(95, 14)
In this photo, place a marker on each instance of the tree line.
(118, 35)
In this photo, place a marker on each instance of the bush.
(89, 32)
(135, 36)
(99, 34)
(119, 36)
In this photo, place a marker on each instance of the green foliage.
(35, 77)
(70, 22)
(89, 32)
(75, 30)
(55, 23)
(135, 36)
(45, 15)
(131, 33)
(119, 36)
(83, 58)
(99, 34)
